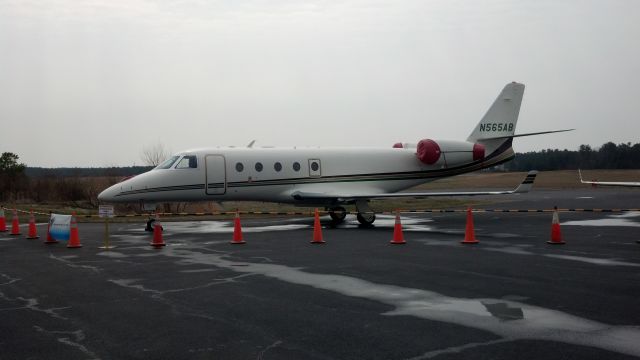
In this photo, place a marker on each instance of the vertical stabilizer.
(501, 118)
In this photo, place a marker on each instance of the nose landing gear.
(150, 224)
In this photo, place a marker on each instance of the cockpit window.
(188, 162)
(168, 163)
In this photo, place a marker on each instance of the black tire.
(364, 221)
(338, 214)
(150, 225)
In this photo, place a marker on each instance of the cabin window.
(296, 166)
(315, 166)
(277, 167)
(239, 167)
(258, 167)
(168, 163)
(188, 162)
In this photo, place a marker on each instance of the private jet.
(608, 183)
(331, 177)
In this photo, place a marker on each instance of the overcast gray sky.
(90, 83)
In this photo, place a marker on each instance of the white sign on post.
(105, 211)
(149, 206)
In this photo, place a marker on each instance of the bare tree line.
(155, 154)
(74, 189)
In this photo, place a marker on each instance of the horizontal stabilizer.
(527, 134)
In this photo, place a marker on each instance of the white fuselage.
(217, 175)
(327, 176)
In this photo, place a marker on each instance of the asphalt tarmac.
(512, 296)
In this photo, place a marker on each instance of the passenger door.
(216, 176)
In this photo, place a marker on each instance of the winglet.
(527, 183)
(580, 176)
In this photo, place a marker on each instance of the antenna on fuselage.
(251, 144)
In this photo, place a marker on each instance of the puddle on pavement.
(389, 221)
(111, 254)
(523, 250)
(595, 261)
(503, 311)
(217, 227)
(614, 220)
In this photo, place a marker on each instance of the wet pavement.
(355, 297)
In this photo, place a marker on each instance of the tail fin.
(501, 118)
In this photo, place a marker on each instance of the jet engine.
(448, 153)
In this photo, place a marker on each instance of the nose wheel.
(150, 225)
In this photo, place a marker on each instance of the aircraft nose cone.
(106, 195)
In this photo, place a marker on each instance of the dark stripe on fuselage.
(409, 175)
(161, 189)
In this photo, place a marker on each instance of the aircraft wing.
(609, 183)
(524, 187)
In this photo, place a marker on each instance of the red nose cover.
(397, 146)
(428, 151)
(478, 152)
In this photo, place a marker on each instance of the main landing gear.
(365, 216)
(337, 214)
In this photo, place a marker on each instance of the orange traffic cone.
(33, 233)
(237, 230)
(469, 233)
(317, 229)
(157, 234)
(3, 222)
(15, 224)
(74, 238)
(556, 235)
(50, 239)
(398, 237)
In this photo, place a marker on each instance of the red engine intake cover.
(428, 151)
(478, 152)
